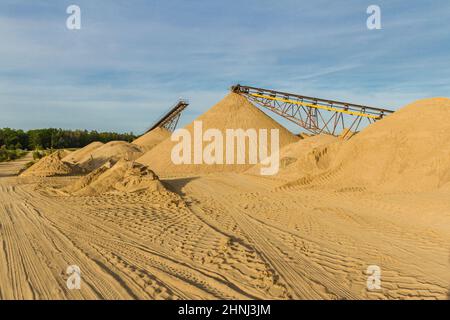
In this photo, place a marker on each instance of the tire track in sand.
(306, 279)
(128, 255)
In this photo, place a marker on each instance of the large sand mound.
(51, 165)
(409, 150)
(149, 140)
(233, 112)
(112, 151)
(124, 176)
(80, 154)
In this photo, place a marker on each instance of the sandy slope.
(112, 151)
(252, 241)
(408, 150)
(78, 155)
(151, 139)
(50, 166)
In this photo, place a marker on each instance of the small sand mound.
(139, 178)
(78, 155)
(112, 151)
(294, 158)
(406, 151)
(149, 140)
(50, 166)
(124, 176)
(232, 112)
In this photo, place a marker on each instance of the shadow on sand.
(177, 185)
(7, 171)
(5, 175)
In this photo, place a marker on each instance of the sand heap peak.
(123, 176)
(232, 112)
(78, 155)
(151, 139)
(112, 151)
(51, 165)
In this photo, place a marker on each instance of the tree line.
(53, 138)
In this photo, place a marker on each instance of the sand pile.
(124, 176)
(112, 151)
(51, 165)
(233, 112)
(78, 155)
(409, 150)
(149, 140)
(139, 178)
(295, 158)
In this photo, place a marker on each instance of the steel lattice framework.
(315, 115)
(169, 120)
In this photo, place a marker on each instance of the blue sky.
(132, 59)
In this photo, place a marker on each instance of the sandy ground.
(255, 241)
